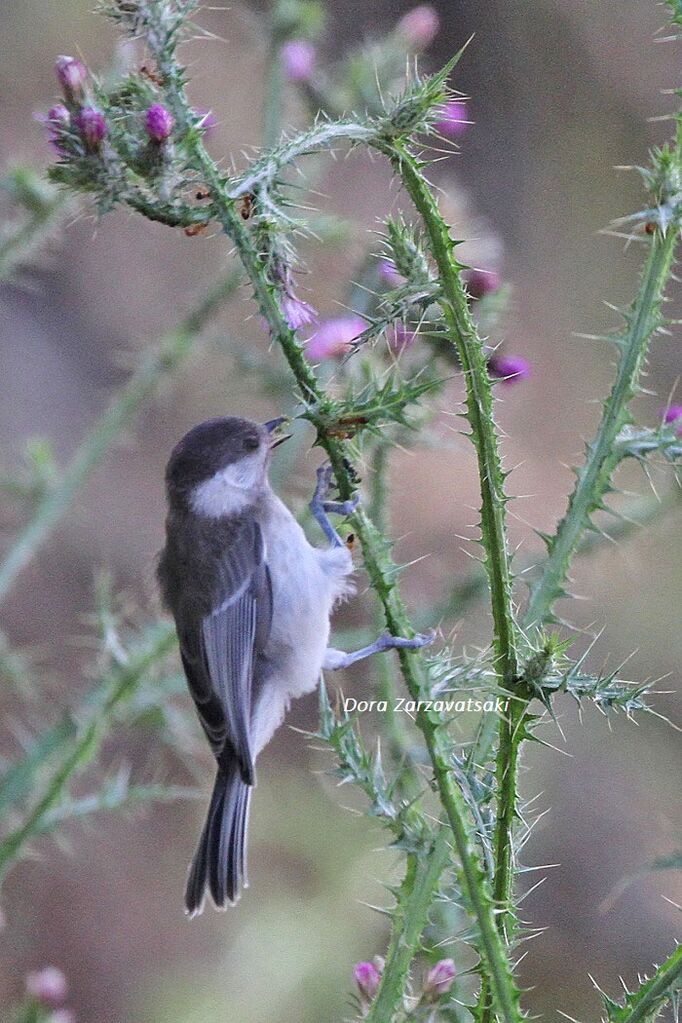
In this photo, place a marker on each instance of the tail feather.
(220, 859)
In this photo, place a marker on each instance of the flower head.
(367, 978)
(673, 414)
(510, 369)
(439, 979)
(296, 312)
(334, 337)
(452, 118)
(419, 27)
(57, 121)
(72, 75)
(47, 986)
(92, 127)
(481, 282)
(298, 60)
(158, 122)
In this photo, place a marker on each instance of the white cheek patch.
(231, 490)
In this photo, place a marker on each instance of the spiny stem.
(646, 1003)
(110, 692)
(595, 476)
(415, 899)
(155, 366)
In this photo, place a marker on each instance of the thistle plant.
(452, 809)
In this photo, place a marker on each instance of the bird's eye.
(251, 443)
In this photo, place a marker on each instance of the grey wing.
(221, 677)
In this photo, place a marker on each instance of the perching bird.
(251, 600)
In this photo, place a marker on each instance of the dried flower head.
(298, 60)
(158, 122)
(334, 337)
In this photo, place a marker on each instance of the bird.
(252, 599)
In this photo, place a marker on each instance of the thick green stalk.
(415, 899)
(602, 458)
(156, 365)
(110, 692)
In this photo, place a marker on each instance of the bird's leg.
(335, 659)
(321, 508)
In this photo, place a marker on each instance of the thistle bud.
(439, 980)
(72, 75)
(673, 414)
(510, 369)
(92, 127)
(298, 60)
(158, 123)
(452, 118)
(47, 986)
(367, 979)
(481, 282)
(419, 27)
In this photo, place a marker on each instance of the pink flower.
(510, 369)
(452, 118)
(158, 122)
(481, 282)
(92, 127)
(296, 312)
(47, 986)
(367, 978)
(389, 273)
(298, 60)
(673, 414)
(419, 27)
(439, 979)
(72, 75)
(57, 121)
(334, 337)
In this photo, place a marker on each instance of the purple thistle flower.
(57, 121)
(510, 369)
(47, 986)
(298, 60)
(419, 27)
(673, 414)
(367, 978)
(92, 127)
(389, 273)
(452, 118)
(481, 282)
(72, 75)
(334, 337)
(158, 123)
(439, 979)
(296, 312)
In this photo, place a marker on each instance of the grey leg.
(322, 508)
(335, 659)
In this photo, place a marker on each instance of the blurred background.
(560, 95)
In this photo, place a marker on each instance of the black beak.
(274, 424)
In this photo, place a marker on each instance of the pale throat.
(231, 490)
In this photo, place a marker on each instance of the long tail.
(220, 859)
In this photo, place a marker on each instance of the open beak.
(274, 424)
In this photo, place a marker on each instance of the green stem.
(415, 899)
(648, 1000)
(120, 684)
(595, 475)
(156, 365)
(45, 207)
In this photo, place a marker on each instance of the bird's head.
(220, 467)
